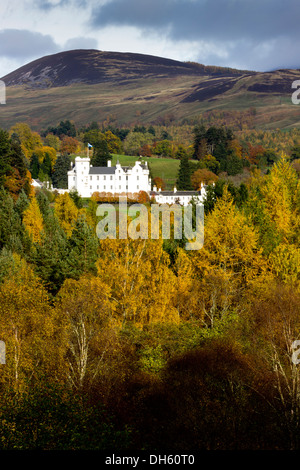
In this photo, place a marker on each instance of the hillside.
(87, 85)
(92, 66)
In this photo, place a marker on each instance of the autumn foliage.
(141, 344)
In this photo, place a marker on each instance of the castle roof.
(102, 170)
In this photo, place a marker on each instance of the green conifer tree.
(101, 153)
(184, 174)
(82, 249)
(60, 171)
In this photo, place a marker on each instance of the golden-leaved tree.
(87, 312)
(279, 196)
(230, 260)
(140, 279)
(281, 205)
(187, 287)
(29, 328)
(66, 212)
(33, 220)
(42, 152)
(30, 140)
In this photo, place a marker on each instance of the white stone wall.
(181, 197)
(78, 176)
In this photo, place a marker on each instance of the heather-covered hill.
(90, 85)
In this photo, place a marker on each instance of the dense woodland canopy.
(140, 344)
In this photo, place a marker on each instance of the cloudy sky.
(246, 34)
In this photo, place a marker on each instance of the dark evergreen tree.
(44, 203)
(121, 133)
(17, 158)
(5, 152)
(100, 148)
(66, 128)
(6, 262)
(242, 195)
(100, 153)
(295, 152)
(34, 167)
(12, 233)
(46, 166)
(165, 135)
(49, 256)
(76, 198)
(22, 203)
(233, 165)
(199, 136)
(184, 174)
(60, 171)
(214, 141)
(82, 250)
(151, 130)
(141, 129)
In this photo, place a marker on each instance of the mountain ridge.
(91, 66)
(88, 85)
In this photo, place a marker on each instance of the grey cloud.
(204, 19)
(281, 52)
(81, 43)
(51, 4)
(24, 44)
(246, 29)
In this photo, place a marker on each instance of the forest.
(140, 344)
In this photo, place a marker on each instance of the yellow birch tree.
(33, 220)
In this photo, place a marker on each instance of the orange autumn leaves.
(136, 282)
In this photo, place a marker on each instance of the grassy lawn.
(165, 168)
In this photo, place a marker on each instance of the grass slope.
(165, 168)
(148, 100)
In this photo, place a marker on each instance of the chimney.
(154, 188)
(109, 163)
(175, 189)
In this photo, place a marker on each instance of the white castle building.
(111, 179)
(118, 179)
(180, 197)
